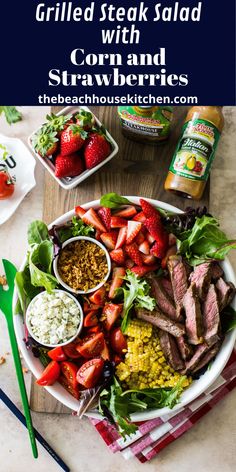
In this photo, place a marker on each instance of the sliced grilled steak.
(179, 280)
(166, 283)
(184, 348)
(225, 292)
(193, 322)
(211, 317)
(170, 350)
(157, 318)
(207, 357)
(216, 271)
(162, 298)
(201, 276)
(195, 359)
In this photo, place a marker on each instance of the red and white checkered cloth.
(152, 436)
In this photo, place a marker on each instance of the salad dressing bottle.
(191, 163)
(146, 124)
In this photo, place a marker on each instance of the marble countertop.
(209, 446)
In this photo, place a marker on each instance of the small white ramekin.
(60, 344)
(82, 238)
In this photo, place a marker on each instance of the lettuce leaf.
(136, 293)
(204, 241)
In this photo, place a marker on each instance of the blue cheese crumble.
(54, 318)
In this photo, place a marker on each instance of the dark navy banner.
(85, 52)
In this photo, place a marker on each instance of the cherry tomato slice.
(94, 329)
(50, 374)
(69, 370)
(71, 351)
(98, 297)
(91, 319)
(57, 354)
(73, 391)
(90, 372)
(111, 312)
(105, 354)
(91, 346)
(118, 341)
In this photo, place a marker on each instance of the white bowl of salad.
(150, 336)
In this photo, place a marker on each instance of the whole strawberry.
(45, 142)
(72, 139)
(96, 149)
(68, 166)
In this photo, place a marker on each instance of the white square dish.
(71, 182)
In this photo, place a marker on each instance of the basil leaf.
(113, 200)
(37, 232)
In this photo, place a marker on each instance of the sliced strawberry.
(142, 270)
(159, 247)
(117, 280)
(98, 297)
(79, 211)
(144, 247)
(118, 256)
(98, 235)
(140, 217)
(121, 237)
(133, 253)
(109, 239)
(140, 238)
(170, 252)
(150, 238)
(149, 210)
(117, 222)
(154, 227)
(129, 263)
(91, 218)
(105, 215)
(127, 212)
(111, 312)
(133, 229)
(149, 259)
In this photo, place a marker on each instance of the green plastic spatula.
(6, 307)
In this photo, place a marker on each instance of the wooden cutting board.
(137, 169)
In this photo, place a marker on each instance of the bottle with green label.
(191, 163)
(146, 124)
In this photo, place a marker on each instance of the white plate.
(71, 182)
(196, 388)
(20, 164)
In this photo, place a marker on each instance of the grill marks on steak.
(166, 283)
(193, 322)
(162, 298)
(170, 350)
(159, 319)
(179, 280)
(216, 271)
(195, 359)
(211, 317)
(184, 348)
(201, 277)
(225, 292)
(207, 357)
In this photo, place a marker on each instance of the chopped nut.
(25, 370)
(82, 265)
(2, 360)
